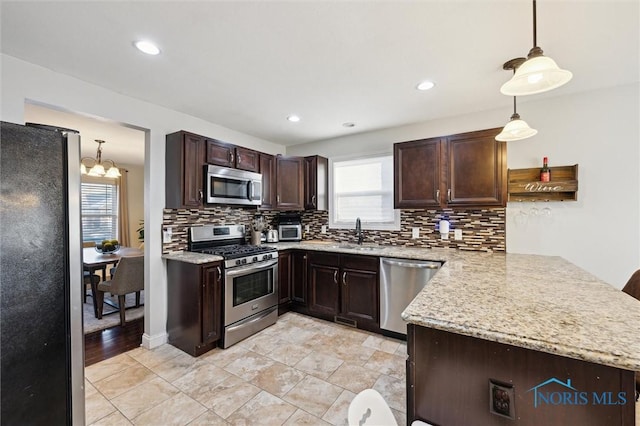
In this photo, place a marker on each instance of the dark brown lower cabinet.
(344, 288)
(458, 380)
(194, 302)
(299, 279)
(292, 281)
(284, 281)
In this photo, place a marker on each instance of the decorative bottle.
(545, 172)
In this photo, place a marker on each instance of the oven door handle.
(257, 318)
(242, 270)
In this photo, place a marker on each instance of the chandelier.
(97, 167)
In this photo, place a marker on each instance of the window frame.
(374, 226)
(116, 215)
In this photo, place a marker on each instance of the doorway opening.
(111, 209)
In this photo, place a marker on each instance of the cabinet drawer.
(363, 263)
(329, 259)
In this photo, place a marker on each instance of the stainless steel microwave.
(232, 186)
(290, 232)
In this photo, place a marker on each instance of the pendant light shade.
(515, 130)
(537, 74)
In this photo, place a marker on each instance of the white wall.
(598, 130)
(22, 80)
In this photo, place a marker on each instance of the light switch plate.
(457, 234)
(166, 235)
(324, 229)
(415, 232)
(306, 228)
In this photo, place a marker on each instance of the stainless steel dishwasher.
(400, 281)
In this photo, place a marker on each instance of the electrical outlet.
(166, 235)
(457, 234)
(415, 232)
(324, 229)
(502, 399)
(306, 228)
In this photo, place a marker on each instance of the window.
(363, 188)
(99, 204)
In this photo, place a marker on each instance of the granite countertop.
(544, 303)
(192, 257)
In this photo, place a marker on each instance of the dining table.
(92, 260)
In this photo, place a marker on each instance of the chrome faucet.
(359, 230)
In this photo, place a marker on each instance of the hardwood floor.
(113, 341)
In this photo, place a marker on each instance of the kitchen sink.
(355, 247)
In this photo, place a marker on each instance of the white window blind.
(99, 204)
(363, 188)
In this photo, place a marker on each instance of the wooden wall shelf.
(525, 185)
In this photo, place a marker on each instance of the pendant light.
(98, 168)
(537, 74)
(516, 129)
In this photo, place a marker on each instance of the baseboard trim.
(150, 342)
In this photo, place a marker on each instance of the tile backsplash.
(482, 230)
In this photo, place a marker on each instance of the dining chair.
(128, 278)
(86, 275)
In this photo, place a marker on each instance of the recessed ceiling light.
(349, 124)
(425, 85)
(293, 118)
(147, 47)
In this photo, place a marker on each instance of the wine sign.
(525, 184)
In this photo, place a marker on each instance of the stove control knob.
(244, 261)
(238, 262)
(255, 258)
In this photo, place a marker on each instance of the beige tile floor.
(299, 371)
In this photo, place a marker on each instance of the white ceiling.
(247, 65)
(123, 145)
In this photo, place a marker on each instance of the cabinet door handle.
(238, 158)
(231, 157)
(344, 278)
(278, 199)
(438, 195)
(200, 195)
(449, 194)
(219, 273)
(313, 201)
(335, 277)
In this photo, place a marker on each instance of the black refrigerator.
(41, 337)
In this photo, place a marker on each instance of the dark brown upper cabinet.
(184, 180)
(476, 170)
(220, 153)
(289, 183)
(268, 172)
(417, 175)
(467, 170)
(228, 155)
(316, 183)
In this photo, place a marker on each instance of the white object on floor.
(369, 408)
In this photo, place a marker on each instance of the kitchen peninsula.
(544, 340)
(558, 345)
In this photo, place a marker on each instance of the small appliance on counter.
(272, 236)
(289, 226)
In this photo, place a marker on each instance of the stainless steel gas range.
(250, 288)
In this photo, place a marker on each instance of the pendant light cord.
(535, 38)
